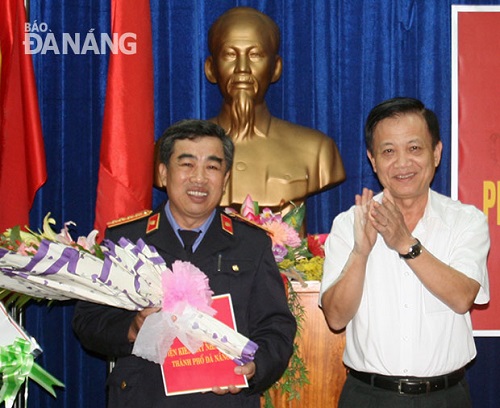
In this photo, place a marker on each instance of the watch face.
(415, 250)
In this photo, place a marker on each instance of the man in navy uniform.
(196, 158)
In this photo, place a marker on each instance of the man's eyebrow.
(216, 158)
(192, 156)
(185, 156)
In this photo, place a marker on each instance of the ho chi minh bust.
(275, 161)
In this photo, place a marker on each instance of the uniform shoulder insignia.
(245, 220)
(128, 218)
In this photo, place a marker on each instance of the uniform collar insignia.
(153, 223)
(227, 224)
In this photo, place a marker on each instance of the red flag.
(126, 160)
(22, 154)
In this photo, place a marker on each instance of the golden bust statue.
(275, 161)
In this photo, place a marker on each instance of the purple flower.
(279, 252)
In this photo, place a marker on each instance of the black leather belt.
(410, 385)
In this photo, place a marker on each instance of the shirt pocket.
(236, 273)
(235, 276)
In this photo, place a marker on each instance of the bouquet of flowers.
(298, 258)
(132, 276)
(47, 265)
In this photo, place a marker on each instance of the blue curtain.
(341, 57)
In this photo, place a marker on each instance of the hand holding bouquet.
(187, 315)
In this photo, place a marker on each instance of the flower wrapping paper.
(128, 277)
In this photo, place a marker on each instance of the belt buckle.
(402, 381)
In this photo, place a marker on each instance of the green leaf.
(256, 208)
(97, 251)
(300, 252)
(15, 234)
(295, 217)
(19, 300)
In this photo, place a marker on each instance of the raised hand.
(365, 234)
(388, 221)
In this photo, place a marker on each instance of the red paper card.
(185, 373)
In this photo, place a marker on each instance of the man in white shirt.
(402, 270)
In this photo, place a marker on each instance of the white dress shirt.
(400, 327)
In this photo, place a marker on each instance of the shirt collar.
(203, 228)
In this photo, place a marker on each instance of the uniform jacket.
(259, 302)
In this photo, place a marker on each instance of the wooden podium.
(322, 352)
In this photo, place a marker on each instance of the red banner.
(476, 133)
(125, 182)
(22, 153)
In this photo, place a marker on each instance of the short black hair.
(395, 107)
(192, 129)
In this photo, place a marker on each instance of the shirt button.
(123, 385)
(405, 370)
(406, 306)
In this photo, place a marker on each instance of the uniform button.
(123, 385)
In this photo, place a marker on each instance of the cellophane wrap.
(187, 315)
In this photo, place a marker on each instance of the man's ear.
(278, 68)
(210, 70)
(437, 153)
(162, 175)
(226, 179)
(372, 161)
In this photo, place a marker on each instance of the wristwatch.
(414, 251)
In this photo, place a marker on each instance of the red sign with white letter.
(476, 134)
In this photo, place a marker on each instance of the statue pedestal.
(322, 352)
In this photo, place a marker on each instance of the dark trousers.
(357, 394)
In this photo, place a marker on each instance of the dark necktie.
(188, 237)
